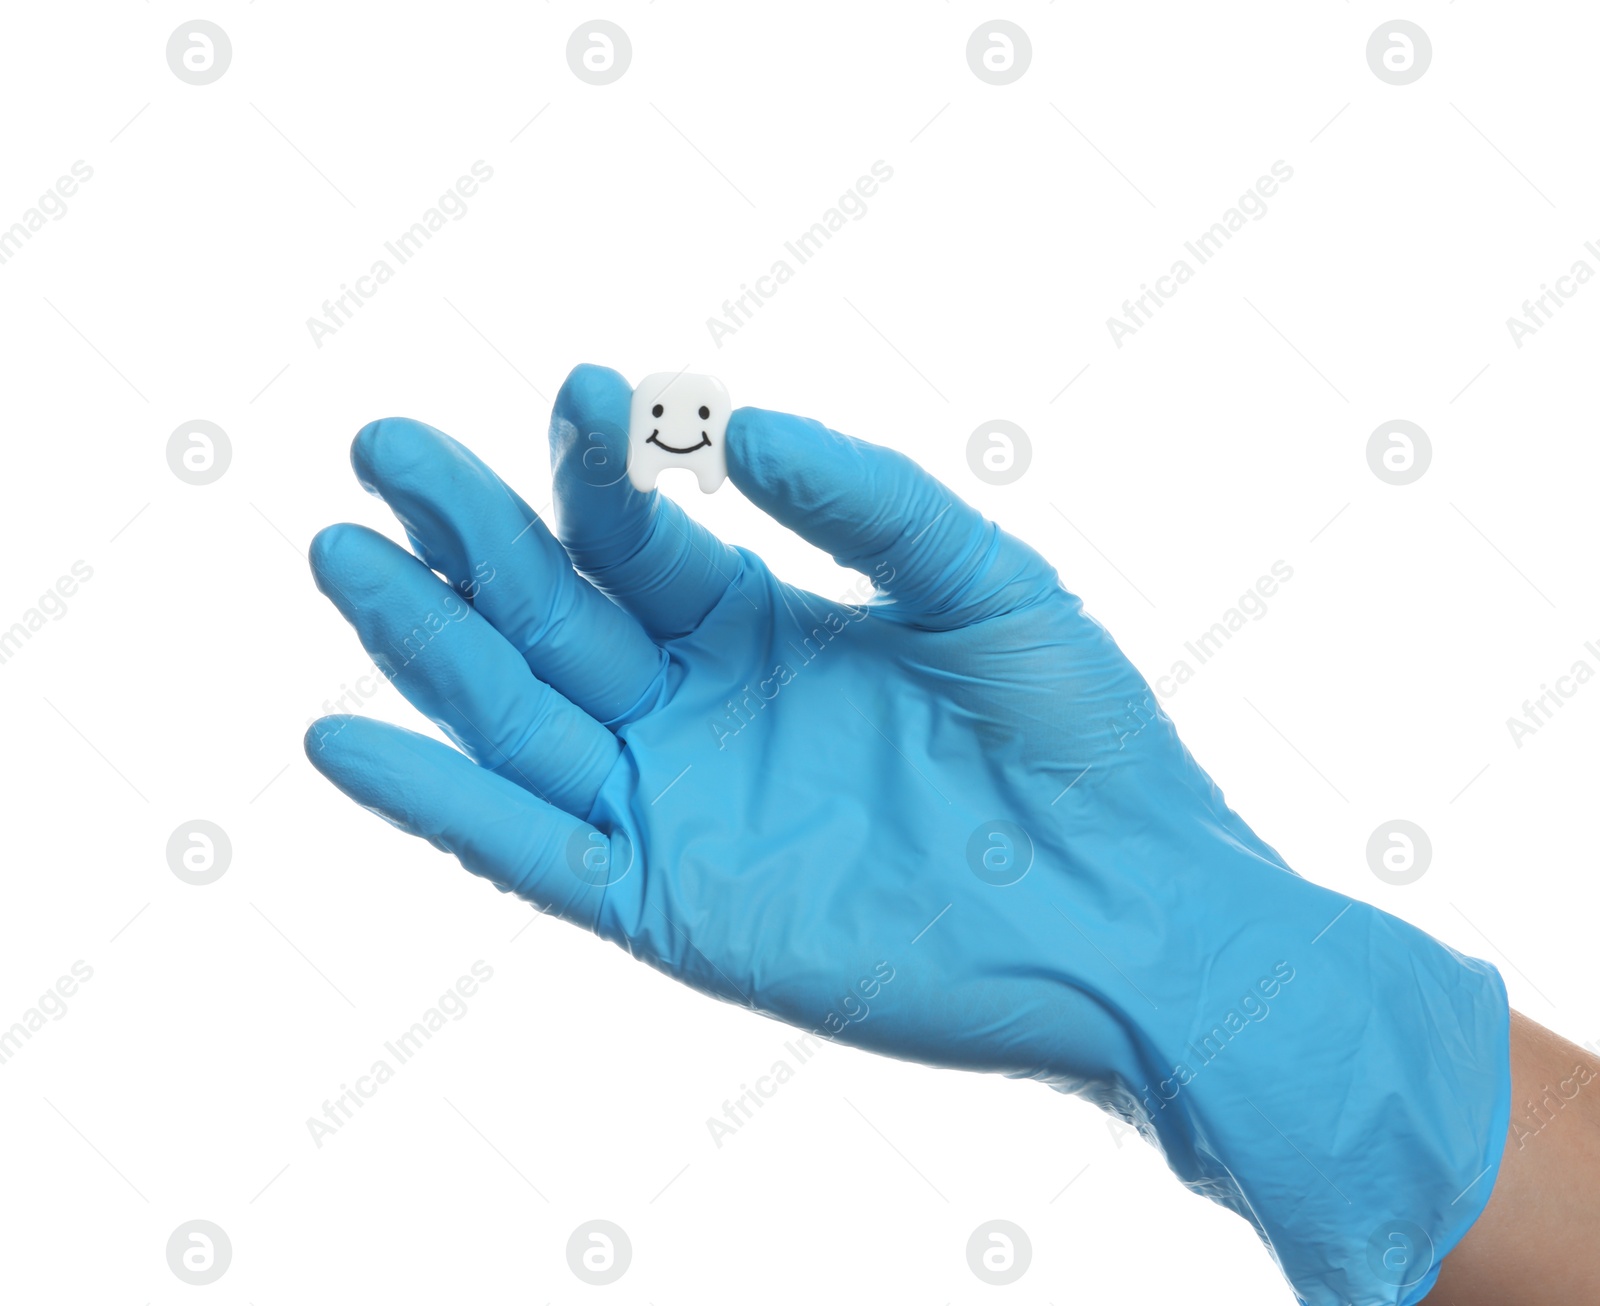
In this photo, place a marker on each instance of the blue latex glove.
(947, 821)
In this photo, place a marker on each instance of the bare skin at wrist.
(1535, 1244)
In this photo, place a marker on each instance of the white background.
(1224, 436)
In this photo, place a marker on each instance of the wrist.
(1533, 1243)
(1337, 1077)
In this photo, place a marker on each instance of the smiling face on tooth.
(659, 411)
(678, 419)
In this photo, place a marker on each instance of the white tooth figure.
(678, 419)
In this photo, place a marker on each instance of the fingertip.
(390, 450)
(430, 790)
(752, 442)
(589, 438)
(379, 767)
(594, 393)
(365, 759)
(794, 463)
(326, 545)
(590, 412)
(338, 555)
(319, 737)
(364, 448)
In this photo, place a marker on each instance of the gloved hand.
(946, 820)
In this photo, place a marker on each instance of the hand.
(944, 818)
